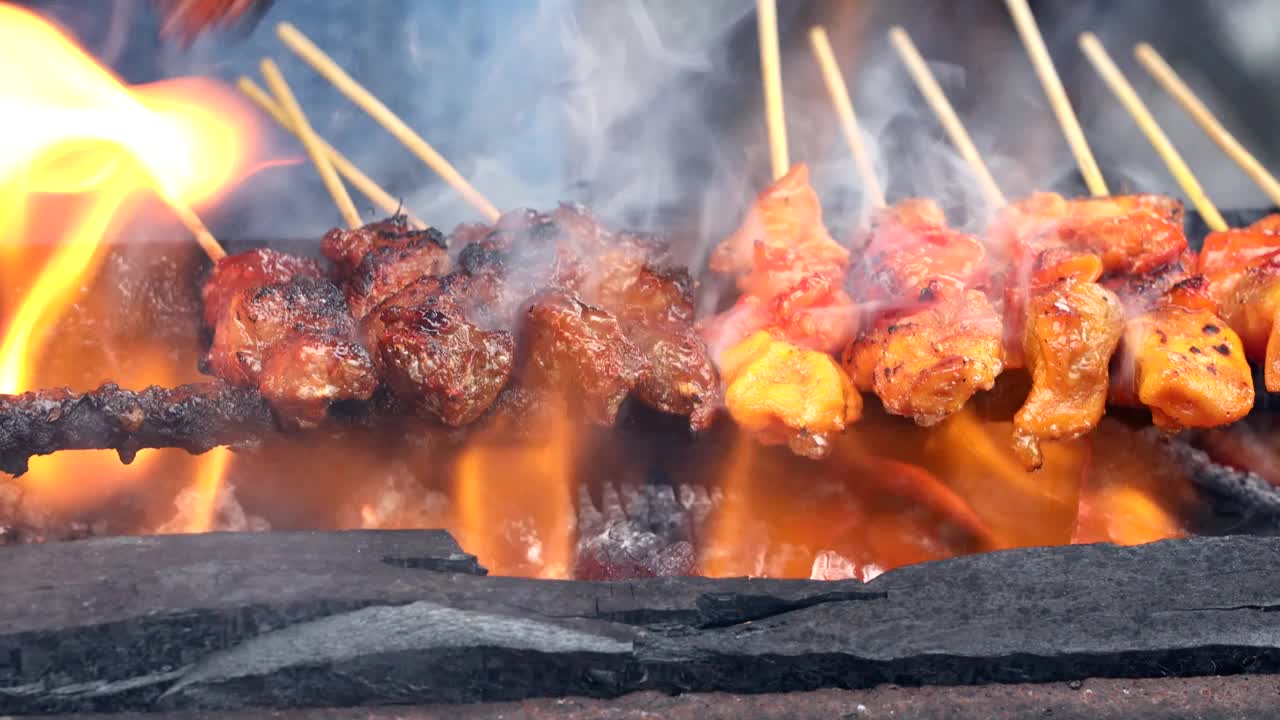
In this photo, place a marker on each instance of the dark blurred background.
(649, 110)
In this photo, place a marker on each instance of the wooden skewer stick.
(771, 70)
(330, 70)
(302, 128)
(839, 92)
(1030, 32)
(1129, 98)
(937, 100)
(1169, 80)
(206, 240)
(345, 167)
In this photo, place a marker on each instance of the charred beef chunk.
(255, 268)
(655, 309)
(378, 260)
(434, 358)
(277, 335)
(304, 374)
(582, 350)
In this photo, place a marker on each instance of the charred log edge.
(201, 416)
(320, 619)
(195, 418)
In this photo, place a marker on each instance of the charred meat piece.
(618, 273)
(275, 336)
(786, 394)
(926, 364)
(259, 316)
(378, 260)
(911, 249)
(306, 373)
(1189, 375)
(582, 350)
(248, 270)
(433, 357)
(655, 309)
(1072, 331)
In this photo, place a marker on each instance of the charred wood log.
(194, 417)
(342, 619)
(201, 416)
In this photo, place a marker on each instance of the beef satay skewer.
(937, 99)
(1137, 109)
(1043, 63)
(771, 71)
(356, 93)
(302, 128)
(345, 167)
(1169, 80)
(839, 91)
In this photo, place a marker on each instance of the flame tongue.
(77, 148)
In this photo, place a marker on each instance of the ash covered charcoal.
(640, 531)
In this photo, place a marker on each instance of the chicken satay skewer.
(937, 99)
(1137, 109)
(1030, 32)
(1072, 326)
(345, 167)
(358, 94)
(284, 95)
(839, 91)
(1169, 80)
(1243, 277)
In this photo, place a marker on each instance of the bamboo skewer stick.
(1169, 80)
(331, 71)
(1129, 98)
(280, 88)
(204, 238)
(839, 92)
(937, 100)
(771, 70)
(1031, 37)
(345, 167)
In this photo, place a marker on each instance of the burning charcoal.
(641, 532)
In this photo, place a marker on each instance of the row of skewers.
(1100, 299)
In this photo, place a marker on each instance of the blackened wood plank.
(342, 619)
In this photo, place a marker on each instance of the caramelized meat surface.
(582, 350)
(790, 271)
(434, 358)
(1072, 331)
(293, 340)
(1243, 272)
(236, 273)
(1188, 374)
(378, 260)
(304, 374)
(655, 309)
(926, 364)
(786, 394)
(258, 317)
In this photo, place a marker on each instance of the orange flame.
(513, 502)
(78, 147)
